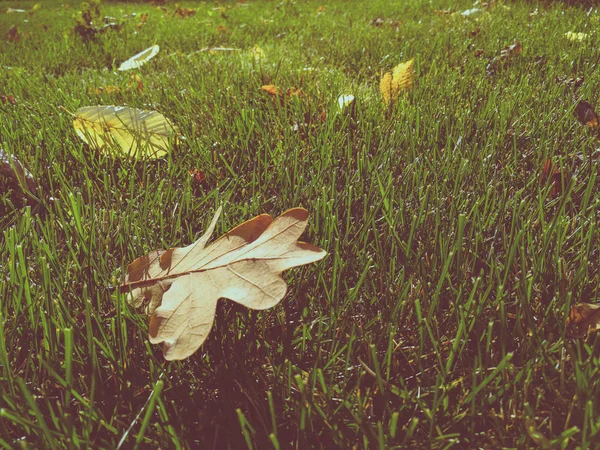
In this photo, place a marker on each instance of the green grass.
(438, 319)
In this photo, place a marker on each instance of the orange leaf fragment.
(512, 50)
(4, 99)
(584, 318)
(270, 89)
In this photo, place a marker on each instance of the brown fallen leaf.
(511, 50)
(180, 287)
(551, 172)
(10, 99)
(143, 19)
(13, 34)
(270, 89)
(583, 318)
(585, 114)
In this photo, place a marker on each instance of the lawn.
(460, 222)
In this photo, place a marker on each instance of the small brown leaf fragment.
(585, 114)
(294, 92)
(478, 53)
(143, 19)
(197, 176)
(8, 99)
(222, 29)
(270, 89)
(584, 318)
(320, 9)
(511, 50)
(184, 13)
(506, 54)
(13, 34)
(551, 172)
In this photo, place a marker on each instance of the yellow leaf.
(180, 287)
(140, 59)
(393, 83)
(257, 53)
(575, 37)
(134, 132)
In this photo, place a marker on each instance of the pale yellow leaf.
(140, 59)
(393, 83)
(180, 287)
(575, 37)
(257, 53)
(344, 101)
(129, 131)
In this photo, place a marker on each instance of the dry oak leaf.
(392, 84)
(583, 318)
(180, 287)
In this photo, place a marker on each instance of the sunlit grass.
(438, 317)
